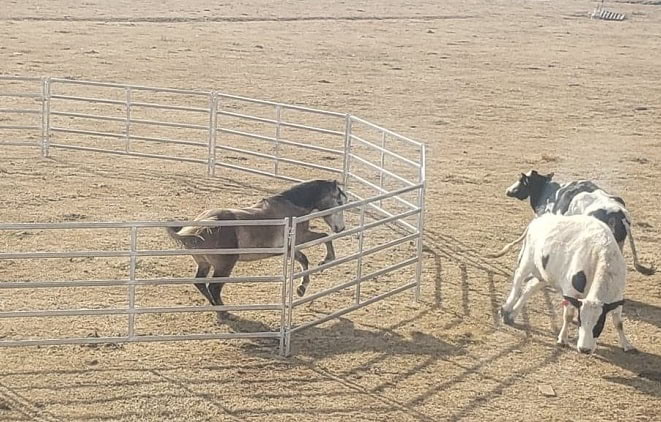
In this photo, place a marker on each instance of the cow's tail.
(509, 246)
(637, 265)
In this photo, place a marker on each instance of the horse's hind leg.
(203, 268)
(223, 266)
(303, 260)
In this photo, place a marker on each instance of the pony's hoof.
(300, 290)
(222, 317)
(327, 260)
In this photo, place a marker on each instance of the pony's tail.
(173, 232)
(187, 236)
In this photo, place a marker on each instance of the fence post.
(421, 223)
(382, 162)
(132, 264)
(290, 284)
(127, 127)
(359, 260)
(347, 152)
(213, 116)
(284, 326)
(45, 116)
(276, 147)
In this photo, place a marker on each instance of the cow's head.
(591, 319)
(527, 184)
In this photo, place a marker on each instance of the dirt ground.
(493, 88)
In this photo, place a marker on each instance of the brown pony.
(299, 200)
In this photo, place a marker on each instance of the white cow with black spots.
(581, 197)
(580, 257)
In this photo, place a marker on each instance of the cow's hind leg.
(520, 275)
(303, 260)
(530, 287)
(567, 317)
(223, 266)
(619, 326)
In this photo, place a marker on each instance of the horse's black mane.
(306, 194)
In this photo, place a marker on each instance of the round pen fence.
(383, 173)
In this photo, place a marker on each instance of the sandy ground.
(493, 88)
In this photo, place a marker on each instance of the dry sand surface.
(493, 88)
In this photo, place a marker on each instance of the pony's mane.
(307, 194)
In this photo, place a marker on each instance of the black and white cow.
(581, 197)
(580, 257)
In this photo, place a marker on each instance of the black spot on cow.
(566, 194)
(599, 326)
(545, 260)
(579, 281)
(615, 221)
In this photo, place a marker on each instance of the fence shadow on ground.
(640, 311)
(201, 383)
(198, 182)
(344, 337)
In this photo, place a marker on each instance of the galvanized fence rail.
(376, 165)
(131, 281)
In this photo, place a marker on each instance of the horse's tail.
(508, 246)
(173, 232)
(186, 236)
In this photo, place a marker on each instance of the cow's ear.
(612, 306)
(550, 176)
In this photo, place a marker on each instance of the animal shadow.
(339, 337)
(640, 311)
(645, 368)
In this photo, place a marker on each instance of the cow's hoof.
(507, 317)
(300, 290)
(561, 343)
(631, 349)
